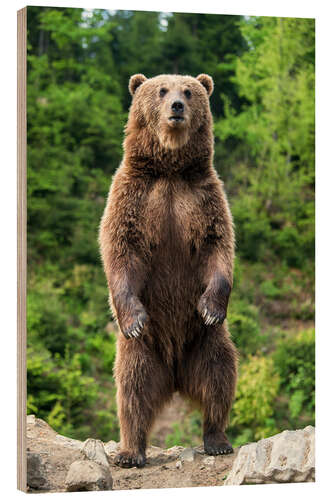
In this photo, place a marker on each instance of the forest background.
(79, 64)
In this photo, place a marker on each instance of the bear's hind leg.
(143, 386)
(210, 379)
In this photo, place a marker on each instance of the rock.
(93, 449)
(156, 449)
(68, 442)
(37, 427)
(36, 472)
(55, 452)
(87, 475)
(210, 461)
(93, 472)
(288, 457)
(174, 452)
(31, 419)
(111, 447)
(178, 464)
(188, 455)
(159, 456)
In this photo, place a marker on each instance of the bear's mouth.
(176, 119)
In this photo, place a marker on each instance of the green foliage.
(274, 137)
(79, 64)
(253, 410)
(188, 431)
(269, 289)
(60, 391)
(245, 327)
(295, 361)
(106, 350)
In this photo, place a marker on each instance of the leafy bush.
(252, 416)
(269, 289)
(46, 319)
(295, 361)
(253, 231)
(243, 321)
(62, 395)
(105, 348)
(187, 432)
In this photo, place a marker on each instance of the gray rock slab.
(74, 444)
(188, 455)
(159, 456)
(93, 449)
(288, 457)
(86, 475)
(36, 427)
(175, 451)
(36, 472)
(111, 447)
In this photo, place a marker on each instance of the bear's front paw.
(134, 329)
(211, 313)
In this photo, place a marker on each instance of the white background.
(322, 11)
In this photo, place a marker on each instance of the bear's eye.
(163, 91)
(187, 93)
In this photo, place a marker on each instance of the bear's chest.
(174, 215)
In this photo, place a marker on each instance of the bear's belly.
(174, 235)
(170, 296)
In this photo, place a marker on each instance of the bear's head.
(170, 108)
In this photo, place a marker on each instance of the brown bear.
(167, 245)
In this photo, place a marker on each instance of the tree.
(274, 133)
(75, 122)
(205, 43)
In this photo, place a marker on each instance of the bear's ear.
(135, 82)
(207, 82)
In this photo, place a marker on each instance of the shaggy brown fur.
(167, 245)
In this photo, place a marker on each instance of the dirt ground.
(51, 455)
(166, 469)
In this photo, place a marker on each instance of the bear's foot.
(217, 444)
(129, 459)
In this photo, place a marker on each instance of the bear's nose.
(177, 106)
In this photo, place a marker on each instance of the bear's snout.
(177, 106)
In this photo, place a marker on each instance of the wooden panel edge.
(21, 247)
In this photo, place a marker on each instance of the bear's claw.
(224, 449)
(211, 313)
(127, 459)
(135, 329)
(211, 319)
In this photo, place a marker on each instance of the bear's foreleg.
(218, 273)
(144, 384)
(130, 312)
(124, 264)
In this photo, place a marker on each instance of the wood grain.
(21, 247)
